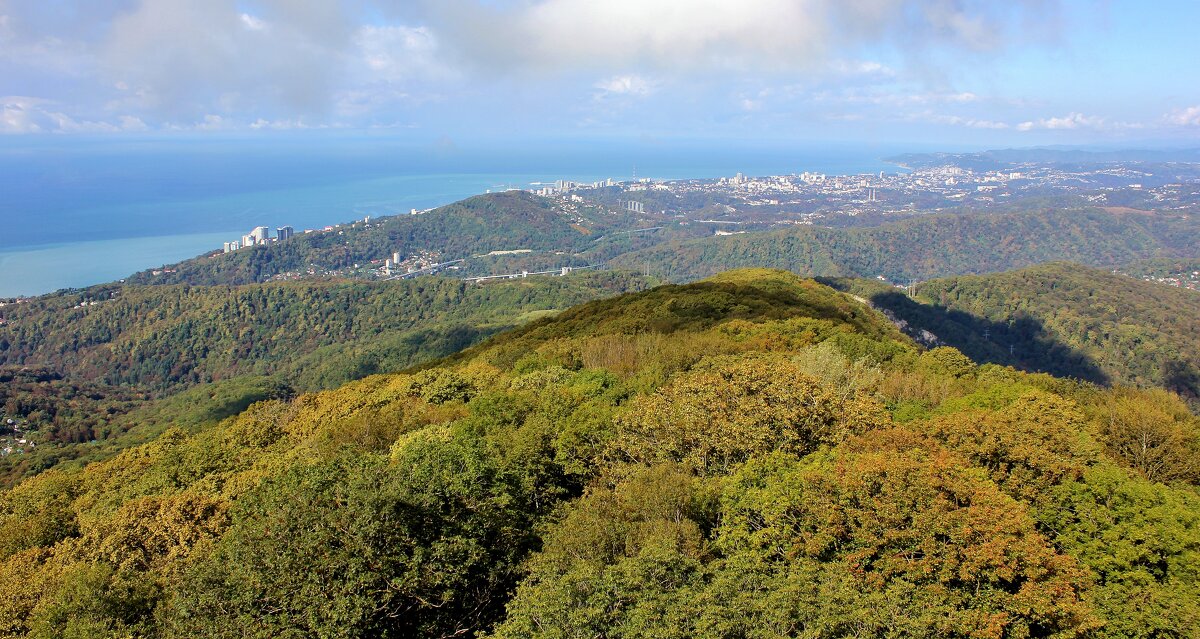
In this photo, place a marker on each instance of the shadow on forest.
(1021, 342)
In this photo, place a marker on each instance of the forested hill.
(932, 246)
(79, 369)
(1063, 318)
(753, 456)
(169, 336)
(505, 221)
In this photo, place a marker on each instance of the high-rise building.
(260, 234)
(284, 233)
(396, 257)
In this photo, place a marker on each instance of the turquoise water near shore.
(76, 264)
(43, 268)
(78, 212)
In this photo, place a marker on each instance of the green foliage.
(1027, 446)
(1142, 543)
(726, 410)
(38, 515)
(928, 246)
(1066, 319)
(878, 544)
(948, 361)
(118, 373)
(168, 336)
(359, 547)
(441, 386)
(1153, 433)
(497, 221)
(724, 459)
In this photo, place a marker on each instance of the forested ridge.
(166, 336)
(563, 233)
(1063, 318)
(89, 365)
(932, 246)
(755, 455)
(494, 222)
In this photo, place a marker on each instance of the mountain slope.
(1063, 318)
(91, 365)
(930, 246)
(161, 337)
(512, 220)
(756, 455)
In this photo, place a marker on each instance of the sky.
(986, 72)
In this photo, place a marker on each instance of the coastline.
(38, 270)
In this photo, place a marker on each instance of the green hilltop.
(476, 226)
(755, 455)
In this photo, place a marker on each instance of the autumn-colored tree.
(1152, 432)
(728, 409)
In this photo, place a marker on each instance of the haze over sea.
(81, 211)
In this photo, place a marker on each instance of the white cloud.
(864, 69)
(892, 95)
(1185, 117)
(266, 64)
(212, 122)
(22, 114)
(131, 123)
(191, 58)
(397, 52)
(973, 123)
(634, 85)
(252, 23)
(1070, 121)
(278, 125)
(765, 35)
(1078, 122)
(17, 115)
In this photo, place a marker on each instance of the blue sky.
(953, 72)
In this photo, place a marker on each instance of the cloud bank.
(127, 65)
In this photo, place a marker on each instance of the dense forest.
(167, 336)
(84, 365)
(932, 246)
(754, 455)
(1061, 318)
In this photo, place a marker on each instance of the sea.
(77, 211)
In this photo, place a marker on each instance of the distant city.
(739, 203)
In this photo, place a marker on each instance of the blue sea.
(80, 211)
